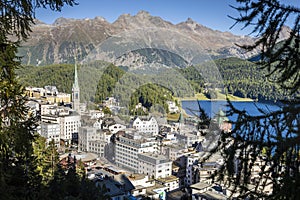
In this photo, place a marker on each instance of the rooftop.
(136, 176)
(200, 186)
(212, 195)
(168, 179)
(84, 157)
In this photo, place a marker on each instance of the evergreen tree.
(275, 133)
(19, 176)
(45, 157)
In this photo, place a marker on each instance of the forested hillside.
(246, 79)
(151, 96)
(241, 78)
(99, 80)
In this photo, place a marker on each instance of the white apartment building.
(192, 173)
(69, 125)
(69, 122)
(146, 125)
(144, 186)
(51, 131)
(154, 165)
(129, 146)
(47, 109)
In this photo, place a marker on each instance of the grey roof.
(211, 195)
(200, 186)
(175, 194)
(117, 185)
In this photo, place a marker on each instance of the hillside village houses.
(153, 157)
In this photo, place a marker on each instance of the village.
(147, 157)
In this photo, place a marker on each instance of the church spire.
(76, 90)
(76, 76)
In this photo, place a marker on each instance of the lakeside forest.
(99, 80)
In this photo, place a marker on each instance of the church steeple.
(76, 76)
(76, 91)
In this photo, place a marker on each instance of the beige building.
(48, 93)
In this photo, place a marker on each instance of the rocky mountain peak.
(51, 43)
(62, 21)
(140, 20)
(143, 14)
(284, 33)
(190, 21)
(99, 18)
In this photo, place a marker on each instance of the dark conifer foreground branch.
(262, 152)
(27, 168)
(267, 18)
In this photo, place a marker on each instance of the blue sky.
(210, 13)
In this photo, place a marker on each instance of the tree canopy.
(18, 16)
(261, 153)
(27, 167)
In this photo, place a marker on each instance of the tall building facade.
(129, 146)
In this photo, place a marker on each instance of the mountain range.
(56, 43)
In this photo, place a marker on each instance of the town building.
(154, 165)
(51, 132)
(85, 135)
(172, 107)
(68, 120)
(201, 171)
(147, 187)
(147, 125)
(171, 182)
(129, 145)
(69, 125)
(114, 128)
(93, 140)
(188, 137)
(204, 191)
(48, 94)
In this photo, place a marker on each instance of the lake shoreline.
(221, 97)
(246, 100)
(213, 107)
(203, 98)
